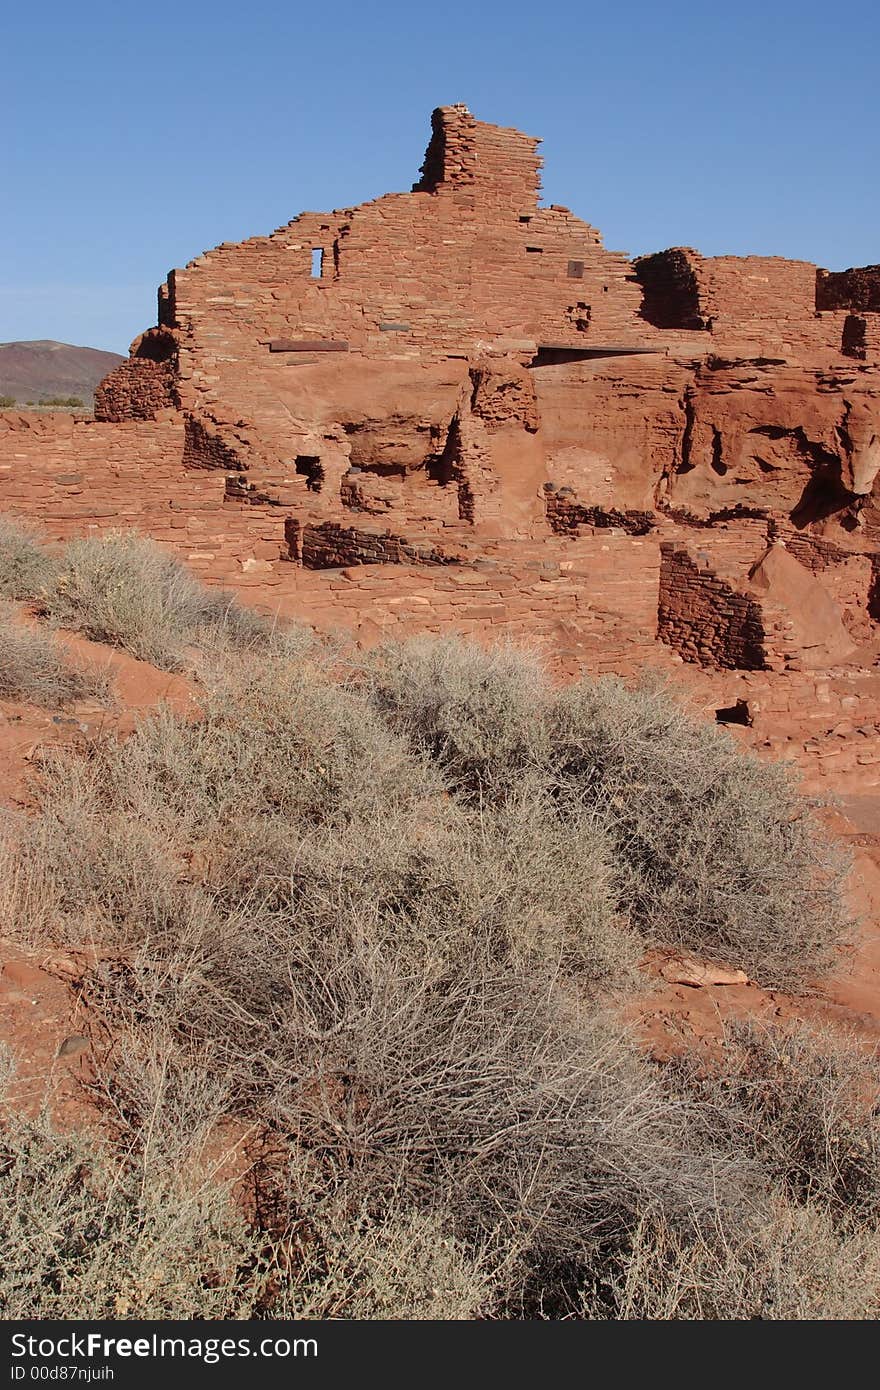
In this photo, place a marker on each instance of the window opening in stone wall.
(309, 467)
(317, 262)
(535, 250)
(575, 270)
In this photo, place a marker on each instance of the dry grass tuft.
(26, 567)
(34, 668)
(126, 591)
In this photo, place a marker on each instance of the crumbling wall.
(738, 290)
(465, 153)
(567, 516)
(671, 291)
(703, 618)
(766, 301)
(860, 336)
(857, 289)
(205, 448)
(145, 384)
(467, 264)
(135, 390)
(261, 341)
(329, 546)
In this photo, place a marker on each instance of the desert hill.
(46, 370)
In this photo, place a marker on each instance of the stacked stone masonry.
(704, 619)
(455, 409)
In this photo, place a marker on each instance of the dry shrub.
(87, 1231)
(34, 668)
(438, 878)
(481, 1099)
(795, 1266)
(406, 1265)
(149, 1229)
(712, 849)
(385, 949)
(803, 1107)
(806, 1105)
(124, 590)
(26, 568)
(477, 714)
(715, 850)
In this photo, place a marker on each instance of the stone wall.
(857, 289)
(146, 384)
(77, 478)
(737, 291)
(568, 517)
(442, 372)
(851, 577)
(329, 546)
(703, 618)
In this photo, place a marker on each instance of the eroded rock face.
(860, 436)
(794, 440)
(816, 622)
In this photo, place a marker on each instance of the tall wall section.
(466, 260)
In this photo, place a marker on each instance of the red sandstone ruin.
(454, 409)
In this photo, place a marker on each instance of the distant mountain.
(44, 370)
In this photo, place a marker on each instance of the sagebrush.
(35, 668)
(378, 912)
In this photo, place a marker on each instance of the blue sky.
(137, 135)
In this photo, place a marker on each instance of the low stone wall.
(566, 515)
(329, 546)
(824, 725)
(78, 477)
